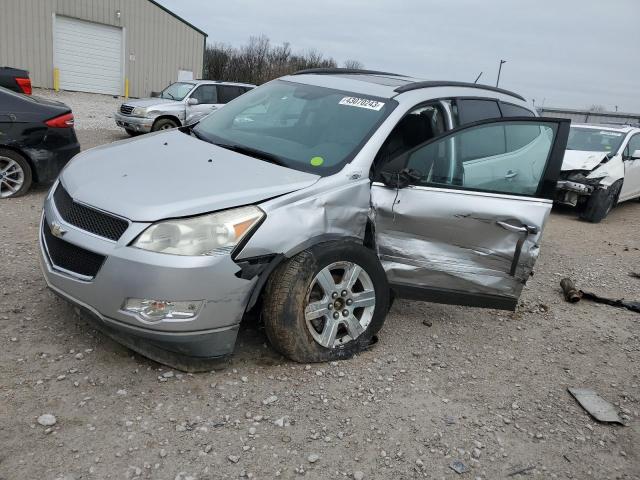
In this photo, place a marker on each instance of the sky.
(562, 53)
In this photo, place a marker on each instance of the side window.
(226, 93)
(466, 159)
(510, 110)
(418, 126)
(633, 145)
(205, 94)
(472, 110)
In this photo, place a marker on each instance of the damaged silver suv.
(315, 200)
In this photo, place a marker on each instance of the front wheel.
(326, 303)
(164, 124)
(601, 202)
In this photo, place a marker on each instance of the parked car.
(314, 199)
(15, 79)
(37, 139)
(601, 168)
(181, 103)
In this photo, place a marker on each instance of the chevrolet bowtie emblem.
(57, 230)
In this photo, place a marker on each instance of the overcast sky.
(569, 53)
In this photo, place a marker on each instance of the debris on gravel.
(47, 420)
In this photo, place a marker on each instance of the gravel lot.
(444, 383)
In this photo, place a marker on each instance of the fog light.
(156, 310)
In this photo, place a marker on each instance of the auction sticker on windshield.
(362, 103)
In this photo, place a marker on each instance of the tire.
(164, 124)
(600, 203)
(15, 174)
(131, 133)
(298, 282)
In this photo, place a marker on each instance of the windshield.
(594, 140)
(176, 91)
(304, 127)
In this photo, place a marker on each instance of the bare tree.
(354, 64)
(258, 61)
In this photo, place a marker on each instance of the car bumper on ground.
(127, 272)
(137, 124)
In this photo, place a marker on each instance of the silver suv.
(181, 103)
(315, 200)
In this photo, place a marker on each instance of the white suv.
(181, 103)
(601, 168)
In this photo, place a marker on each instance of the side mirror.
(401, 179)
(192, 101)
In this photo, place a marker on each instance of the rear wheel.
(15, 174)
(326, 303)
(601, 202)
(164, 124)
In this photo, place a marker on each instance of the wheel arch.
(272, 263)
(166, 117)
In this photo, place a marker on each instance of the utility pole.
(500, 70)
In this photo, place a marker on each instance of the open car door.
(458, 219)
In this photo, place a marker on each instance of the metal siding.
(162, 44)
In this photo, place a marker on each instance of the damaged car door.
(458, 219)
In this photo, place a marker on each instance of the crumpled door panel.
(449, 239)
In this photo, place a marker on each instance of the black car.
(37, 140)
(15, 79)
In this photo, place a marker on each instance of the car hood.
(150, 102)
(172, 174)
(579, 160)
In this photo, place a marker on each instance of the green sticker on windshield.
(317, 161)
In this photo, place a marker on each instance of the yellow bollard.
(126, 88)
(56, 79)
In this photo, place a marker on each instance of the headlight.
(212, 234)
(139, 112)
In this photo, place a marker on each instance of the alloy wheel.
(11, 177)
(340, 304)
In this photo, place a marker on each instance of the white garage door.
(88, 56)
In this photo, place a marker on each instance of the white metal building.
(114, 47)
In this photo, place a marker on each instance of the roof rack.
(432, 84)
(349, 71)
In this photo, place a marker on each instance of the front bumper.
(128, 272)
(570, 192)
(137, 124)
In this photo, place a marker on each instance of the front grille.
(86, 218)
(70, 257)
(126, 109)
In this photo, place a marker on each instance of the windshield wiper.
(172, 97)
(253, 152)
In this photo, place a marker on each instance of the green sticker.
(317, 161)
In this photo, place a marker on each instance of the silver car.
(181, 103)
(314, 200)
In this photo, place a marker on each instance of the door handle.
(518, 228)
(511, 174)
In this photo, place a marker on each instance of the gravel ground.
(91, 111)
(443, 384)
